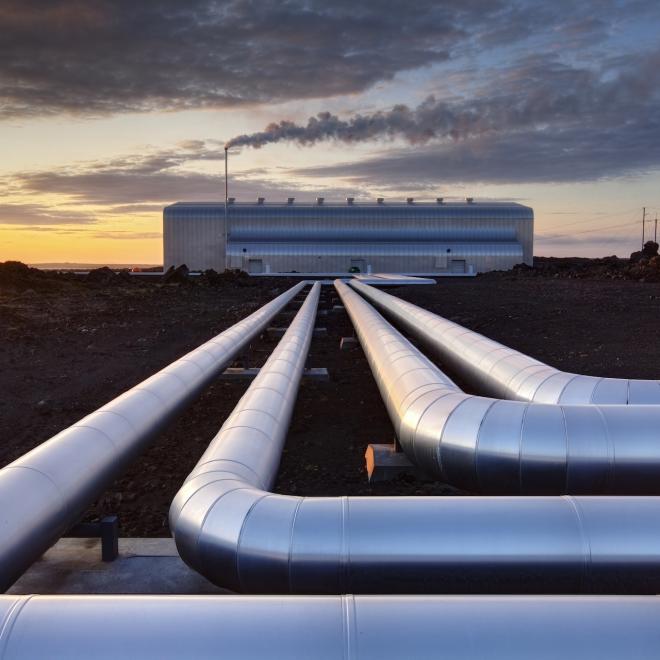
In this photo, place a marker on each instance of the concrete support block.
(277, 333)
(238, 373)
(346, 343)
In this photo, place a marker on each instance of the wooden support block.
(384, 462)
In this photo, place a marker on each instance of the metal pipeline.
(500, 371)
(329, 627)
(231, 529)
(45, 491)
(493, 446)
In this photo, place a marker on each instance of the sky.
(112, 109)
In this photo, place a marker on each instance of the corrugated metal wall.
(331, 238)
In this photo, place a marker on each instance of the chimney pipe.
(319, 200)
(410, 200)
(290, 200)
(350, 200)
(260, 200)
(380, 200)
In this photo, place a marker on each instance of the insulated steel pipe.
(45, 491)
(230, 528)
(500, 371)
(329, 627)
(493, 446)
(241, 463)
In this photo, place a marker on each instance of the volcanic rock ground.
(69, 344)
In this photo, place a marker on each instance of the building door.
(457, 266)
(359, 264)
(255, 266)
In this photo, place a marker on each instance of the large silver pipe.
(329, 627)
(230, 528)
(493, 446)
(240, 465)
(500, 371)
(45, 491)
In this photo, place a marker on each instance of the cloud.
(125, 235)
(143, 183)
(98, 57)
(94, 57)
(38, 214)
(540, 121)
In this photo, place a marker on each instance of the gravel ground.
(71, 344)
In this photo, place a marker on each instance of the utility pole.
(655, 233)
(643, 224)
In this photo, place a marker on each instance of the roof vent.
(350, 200)
(440, 200)
(260, 200)
(469, 200)
(380, 200)
(319, 200)
(290, 200)
(231, 200)
(410, 200)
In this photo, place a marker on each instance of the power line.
(589, 231)
(606, 215)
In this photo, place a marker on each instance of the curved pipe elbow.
(496, 446)
(503, 372)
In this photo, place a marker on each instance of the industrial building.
(412, 238)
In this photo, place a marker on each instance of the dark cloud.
(94, 57)
(536, 91)
(540, 121)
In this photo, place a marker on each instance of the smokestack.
(226, 175)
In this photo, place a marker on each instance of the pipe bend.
(502, 372)
(496, 446)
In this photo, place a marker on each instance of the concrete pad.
(232, 373)
(385, 462)
(144, 566)
(346, 343)
(276, 333)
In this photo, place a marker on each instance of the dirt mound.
(233, 277)
(106, 277)
(643, 266)
(17, 276)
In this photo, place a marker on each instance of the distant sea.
(73, 266)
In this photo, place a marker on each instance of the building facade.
(412, 238)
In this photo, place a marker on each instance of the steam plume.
(431, 119)
(536, 95)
